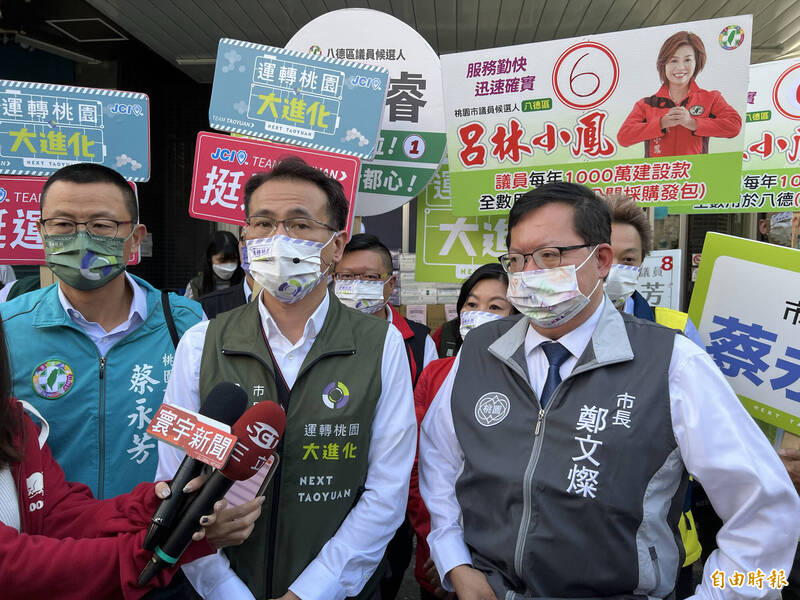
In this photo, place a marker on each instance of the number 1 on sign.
(414, 146)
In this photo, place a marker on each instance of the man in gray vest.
(342, 378)
(555, 457)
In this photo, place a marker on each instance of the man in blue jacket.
(93, 353)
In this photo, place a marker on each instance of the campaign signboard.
(449, 247)
(412, 136)
(224, 163)
(660, 279)
(20, 242)
(593, 111)
(771, 165)
(297, 98)
(747, 309)
(44, 127)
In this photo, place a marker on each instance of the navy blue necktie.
(556, 355)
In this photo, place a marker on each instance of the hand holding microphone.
(258, 432)
(226, 403)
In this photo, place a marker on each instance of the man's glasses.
(296, 227)
(98, 227)
(343, 276)
(544, 258)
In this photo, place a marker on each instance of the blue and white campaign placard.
(297, 98)
(44, 127)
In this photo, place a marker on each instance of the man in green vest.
(342, 377)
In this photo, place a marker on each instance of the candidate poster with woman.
(770, 180)
(656, 113)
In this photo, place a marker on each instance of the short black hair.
(226, 243)
(367, 241)
(592, 220)
(294, 167)
(487, 271)
(94, 173)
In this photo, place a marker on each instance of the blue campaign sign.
(297, 98)
(44, 127)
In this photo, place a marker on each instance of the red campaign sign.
(20, 243)
(223, 164)
(200, 437)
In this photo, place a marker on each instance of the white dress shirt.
(103, 339)
(720, 444)
(248, 293)
(6, 290)
(430, 353)
(9, 499)
(349, 558)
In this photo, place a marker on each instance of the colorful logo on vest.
(492, 408)
(52, 379)
(335, 395)
(696, 110)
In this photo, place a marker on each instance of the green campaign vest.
(325, 447)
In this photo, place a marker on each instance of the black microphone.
(258, 432)
(226, 402)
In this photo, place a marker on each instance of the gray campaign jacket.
(581, 499)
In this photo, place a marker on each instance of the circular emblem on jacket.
(696, 110)
(492, 408)
(335, 395)
(52, 379)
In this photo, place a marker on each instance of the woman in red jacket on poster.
(56, 539)
(681, 116)
(483, 299)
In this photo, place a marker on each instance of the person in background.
(555, 457)
(221, 268)
(448, 337)
(234, 295)
(631, 241)
(680, 118)
(364, 281)
(483, 297)
(94, 351)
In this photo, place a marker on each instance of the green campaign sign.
(770, 179)
(450, 248)
(747, 308)
(663, 124)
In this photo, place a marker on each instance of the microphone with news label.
(258, 432)
(226, 403)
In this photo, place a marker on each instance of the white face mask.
(224, 270)
(548, 297)
(621, 283)
(287, 268)
(470, 319)
(366, 296)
